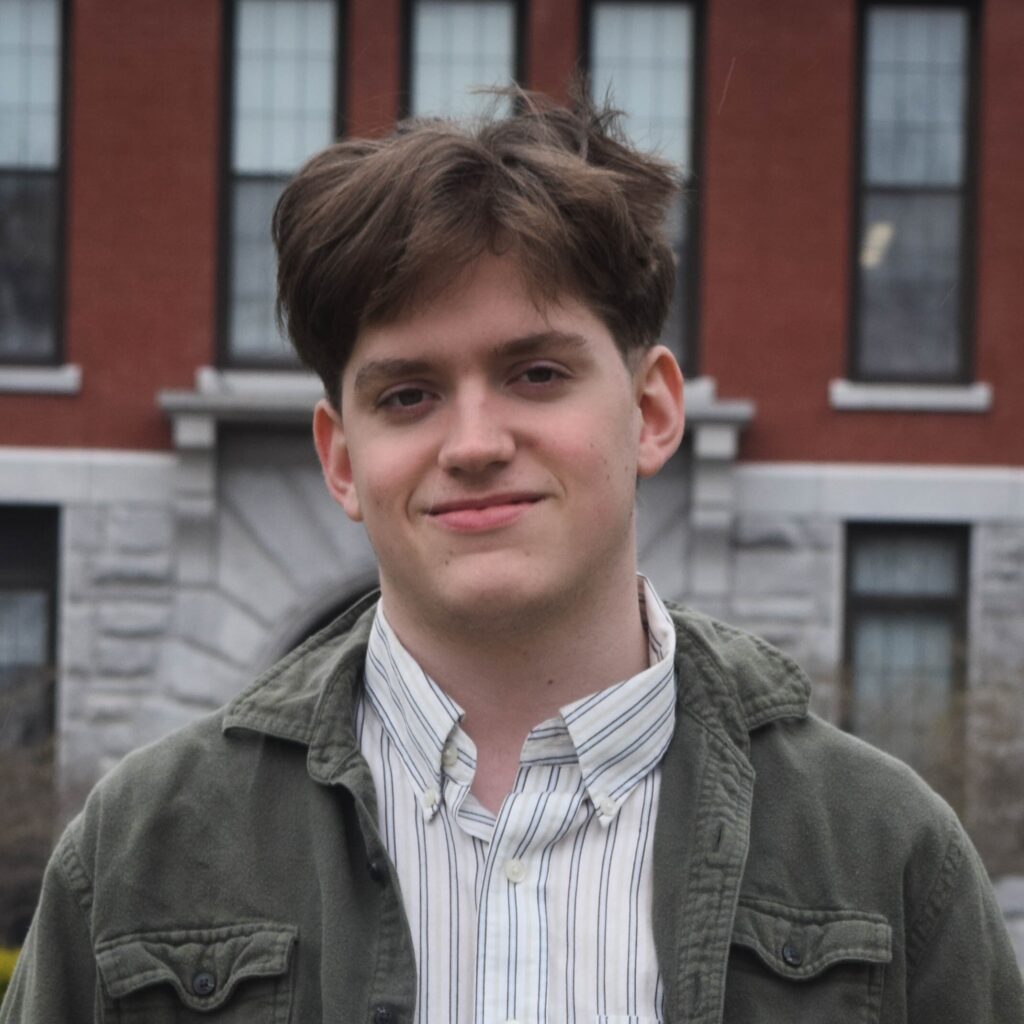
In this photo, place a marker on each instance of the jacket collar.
(732, 683)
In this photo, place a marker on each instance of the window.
(284, 107)
(912, 288)
(30, 180)
(643, 54)
(456, 46)
(905, 645)
(28, 571)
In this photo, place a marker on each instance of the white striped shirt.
(543, 912)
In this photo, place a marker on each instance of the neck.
(510, 676)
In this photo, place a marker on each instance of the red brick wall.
(775, 268)
(778, 93)
(142, 167)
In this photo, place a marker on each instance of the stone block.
(140, 528)
(767, 571)
(770, 532)
(196, 679)
(281, 522)
(133, 618)
(77, 638)
(122, 657)
(212, 620)
(1010, 895)
(82, 527)
(132, 568)
(250, 575)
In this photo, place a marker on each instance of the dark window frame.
(691, 347)
(955, 608)
(58, 354)
(225, 358)
(408, 45)
(45, 525)
(965, 371)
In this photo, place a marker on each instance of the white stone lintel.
(864, 397)
(41, 380)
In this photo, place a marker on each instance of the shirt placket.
(512, 918)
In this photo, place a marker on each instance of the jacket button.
(204, 984)
(383, 1015)
(792, 955)
(378, 870)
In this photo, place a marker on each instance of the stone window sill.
(967, 398)
(41, 380)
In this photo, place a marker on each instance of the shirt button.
(429, 799)
(383, 1015)
(605, 806)
(204, 984)
(792, 955)
(450, 755)
(515, 870)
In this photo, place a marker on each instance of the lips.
(469, 515)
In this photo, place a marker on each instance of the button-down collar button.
(383, 1015)
(515, 870)
(605, 806)
(792, 955)
(450, 755)
(204, 984)
(429, 799)
(378, 870)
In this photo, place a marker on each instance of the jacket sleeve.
(961, 963)
(55, 978)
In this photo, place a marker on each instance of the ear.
(659, 395)
(332, 447)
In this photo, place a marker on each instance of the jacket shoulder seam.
(936, 902)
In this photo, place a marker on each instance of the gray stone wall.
(995, 698)
(156, 630)
(143, 652)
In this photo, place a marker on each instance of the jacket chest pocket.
(795, 965)
(229, 975)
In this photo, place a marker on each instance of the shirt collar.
(618, 735)
(621, 733)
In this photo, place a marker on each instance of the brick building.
(850, 312)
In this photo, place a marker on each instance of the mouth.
(471, 515)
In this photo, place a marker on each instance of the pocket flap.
(798, 943)
(203, 965)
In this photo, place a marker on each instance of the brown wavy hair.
(369, 227)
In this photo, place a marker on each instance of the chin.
(497, 597)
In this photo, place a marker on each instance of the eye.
(404, 398)
(543, 373)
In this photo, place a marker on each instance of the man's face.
(491, 448)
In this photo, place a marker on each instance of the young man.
(518, 787)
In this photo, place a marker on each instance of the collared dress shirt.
(541, 912)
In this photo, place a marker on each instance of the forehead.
(487, 311)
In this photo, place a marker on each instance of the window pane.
(254, 334)
(285, 72)
(642, 56)
(910, 286)
(906, 564)
(915, 96)
(24, 629)
(28, 265)
(459, 45)
(284, 83)
(29, 83)
(903, 672)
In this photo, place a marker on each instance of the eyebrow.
(378, 372)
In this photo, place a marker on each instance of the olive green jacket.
(235, 871)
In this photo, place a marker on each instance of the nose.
(477, 435)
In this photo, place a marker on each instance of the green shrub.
(8, 958)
